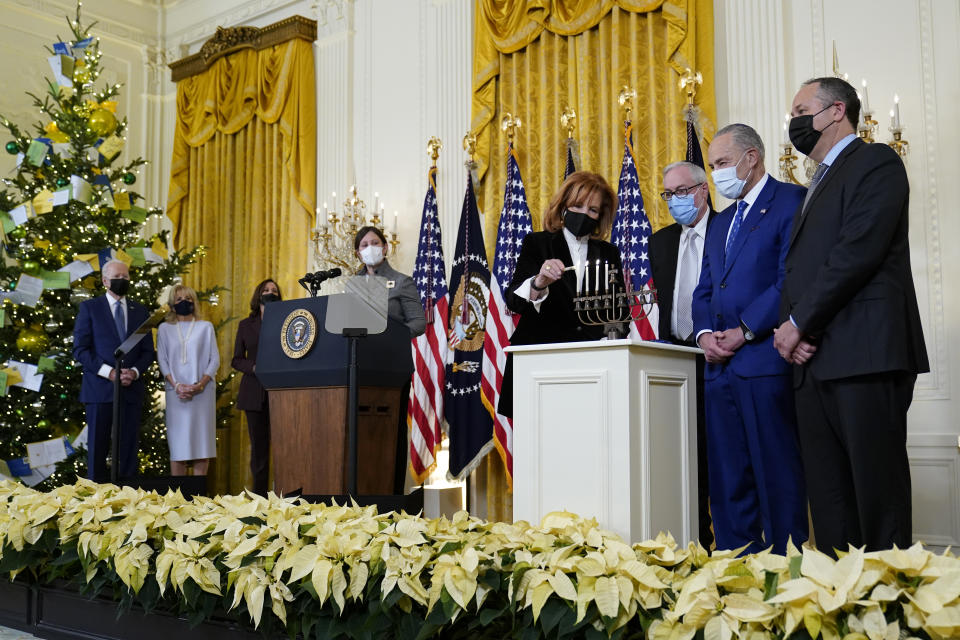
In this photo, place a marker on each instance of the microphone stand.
(119, 354)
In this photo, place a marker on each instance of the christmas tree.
(68, 207)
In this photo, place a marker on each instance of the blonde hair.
(574, 191)
(172, 300)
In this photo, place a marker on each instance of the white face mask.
(371, 255)
(727, 182)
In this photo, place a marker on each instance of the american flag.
(425, 407)
(631, 234)
(694, 153)
(571, 165)
(515, 223)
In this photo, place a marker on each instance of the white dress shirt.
(695, 234)
(112, 298)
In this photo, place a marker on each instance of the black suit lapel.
(835, 169)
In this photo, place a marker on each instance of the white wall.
(764, 50)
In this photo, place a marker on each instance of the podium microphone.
(311, 281)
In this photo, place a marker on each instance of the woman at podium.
(403, 304)
(252, 397)
(566, 259)
(188, 358)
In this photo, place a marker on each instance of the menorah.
(607, 302)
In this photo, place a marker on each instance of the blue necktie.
(118, 319)
(735, 227)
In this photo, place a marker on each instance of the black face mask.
(579, 224)
(267, 298)
(184, 308)
(802, 134)
(119, 286)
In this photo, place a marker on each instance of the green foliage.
(51, 240)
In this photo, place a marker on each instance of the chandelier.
(867, 130)
(334, 233)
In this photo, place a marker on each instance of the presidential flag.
(515, 223)
(631, 234)
(469, 426)
(572, 156)
(425, 406)
(694, 151)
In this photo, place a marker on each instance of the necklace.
(183, 341)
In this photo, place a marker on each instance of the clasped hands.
(187, 391)
(719, 346)
(126, 376)
(791, 344)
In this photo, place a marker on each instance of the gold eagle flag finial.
(625, 99)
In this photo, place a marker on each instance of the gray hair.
(696, 171)
(743, 136)
(109, 264)
(830, 90)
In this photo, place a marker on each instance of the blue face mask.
(682, 208)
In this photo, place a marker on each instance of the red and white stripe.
(425, 406)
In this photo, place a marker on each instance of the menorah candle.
(596, 276)
(606, 275)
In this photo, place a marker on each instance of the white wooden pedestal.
(607, 429)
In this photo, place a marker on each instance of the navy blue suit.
(756, 479)
(95, 338)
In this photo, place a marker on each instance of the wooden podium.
(309, 404)
(607, 429)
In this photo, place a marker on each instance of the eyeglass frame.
(682, 191)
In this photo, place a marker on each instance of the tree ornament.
(102, 122)
(129, 178)
(18, 232)
(213, 299)
(81, 73)
(32, 339)
(62, 182)
(31, 266)
(12, 148)
(43, 424)
(51, 326)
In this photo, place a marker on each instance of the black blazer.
(848, 278)
(664, 247)
(556, 320)
(251, 396)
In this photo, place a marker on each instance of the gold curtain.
(243, 183)
(533, 57)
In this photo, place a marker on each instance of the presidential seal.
(298, 333)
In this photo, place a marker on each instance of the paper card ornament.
(36, 152)
(77, 269)
(62, 66)
(41, 244)
(137, 214)
(7, 222)
(160, 249)
(80, 189)
(121, 201)
(43, 202)
(110, 147)
(137, 253)
(45, 364)
(55, 279)
(29, 378)
(123, 257)
(21, 214)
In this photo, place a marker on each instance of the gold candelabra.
(334, 233)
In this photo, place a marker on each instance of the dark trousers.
(99, 427)
(853, 435)
(756, 476)
(258, 426)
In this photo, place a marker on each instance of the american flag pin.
(391, 284)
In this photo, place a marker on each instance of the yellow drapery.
(533, 57)
(243, 183)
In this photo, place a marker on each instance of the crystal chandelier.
(334, 232)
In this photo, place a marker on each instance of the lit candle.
(326, 216)
(376, 202)
(333, 198)
(786, 135)
(865, 99)
(396, 221)
(596, 277)
(606, 275)
(896, 111)
(318, 223)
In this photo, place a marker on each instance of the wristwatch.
(747, 334)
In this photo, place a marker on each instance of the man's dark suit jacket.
(95, 338)
(664, 247)
(556, 321)
(251, 396)
(848, 278)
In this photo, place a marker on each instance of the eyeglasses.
(682, 191)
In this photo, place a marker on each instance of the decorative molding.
(227, 40)
(819, 38)
(936, 385)
(236, 14)
(944, 466)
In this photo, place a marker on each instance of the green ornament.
(43, 424)
(18, 233)
(31, 266)
(129, 178)
(12, 285)
(63, 396)
(12, 148)
(62, 182)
